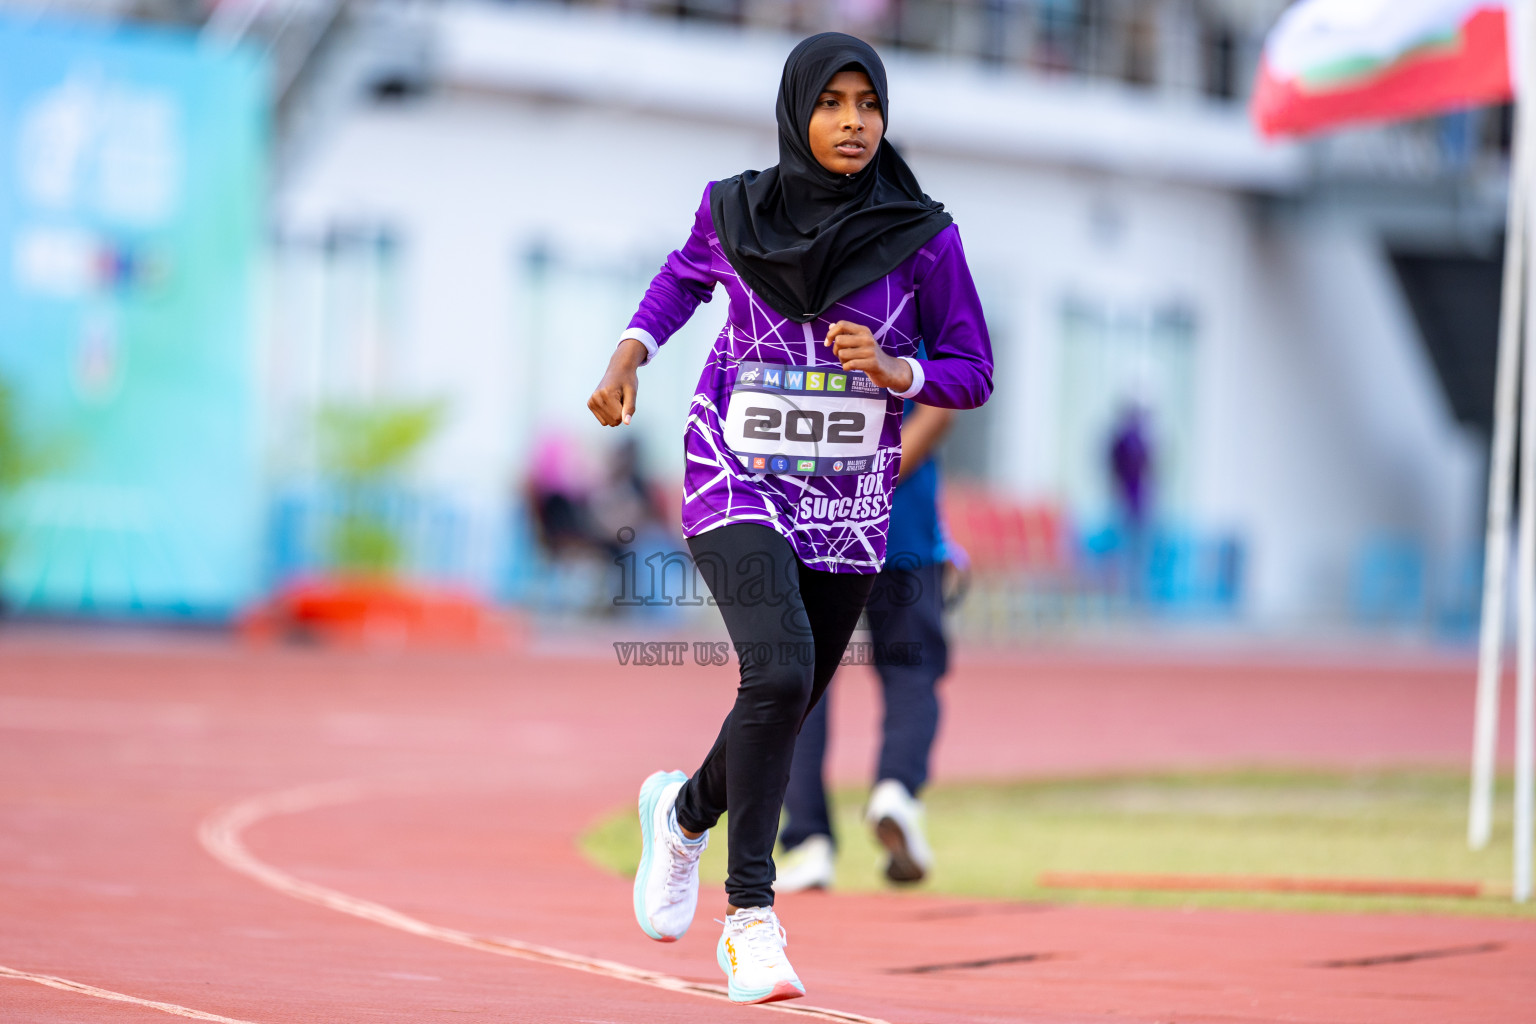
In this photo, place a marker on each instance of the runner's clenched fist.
(857, 349)
(613, 401)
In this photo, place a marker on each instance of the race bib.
(804, 422)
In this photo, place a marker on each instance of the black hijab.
(802, 236)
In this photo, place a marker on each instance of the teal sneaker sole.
(773, 994)
(650, 793)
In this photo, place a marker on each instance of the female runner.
(835, 265)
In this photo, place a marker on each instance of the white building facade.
(1128, 249)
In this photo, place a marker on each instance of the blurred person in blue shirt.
(910, 654)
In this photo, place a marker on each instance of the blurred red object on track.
(374, 612)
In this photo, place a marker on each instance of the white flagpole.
(1525, 704)
(1501, 470)
(1525, 669)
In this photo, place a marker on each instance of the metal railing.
(1207, 47)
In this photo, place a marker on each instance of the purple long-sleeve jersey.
(790, 455)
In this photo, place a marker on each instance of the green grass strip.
(995, 839)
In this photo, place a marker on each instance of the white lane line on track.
(221, 832)
(117, 997)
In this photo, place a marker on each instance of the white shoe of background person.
(667, 882)
(808, 866)
(897, 818)
(751, 953)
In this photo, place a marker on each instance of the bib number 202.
(762, 424)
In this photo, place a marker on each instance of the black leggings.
(790, 625)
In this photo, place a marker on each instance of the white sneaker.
(751, 953)
(807, 866)
(897, 818)
(667, 884)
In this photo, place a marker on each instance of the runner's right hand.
(613, 402)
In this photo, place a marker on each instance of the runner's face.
(846, 124)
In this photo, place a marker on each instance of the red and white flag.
(1331, 62)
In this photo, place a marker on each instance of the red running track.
(440, 884)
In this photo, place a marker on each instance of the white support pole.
(1501, 471)
(1525, 701)
(1525, 670)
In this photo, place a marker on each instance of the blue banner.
(132, 183)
